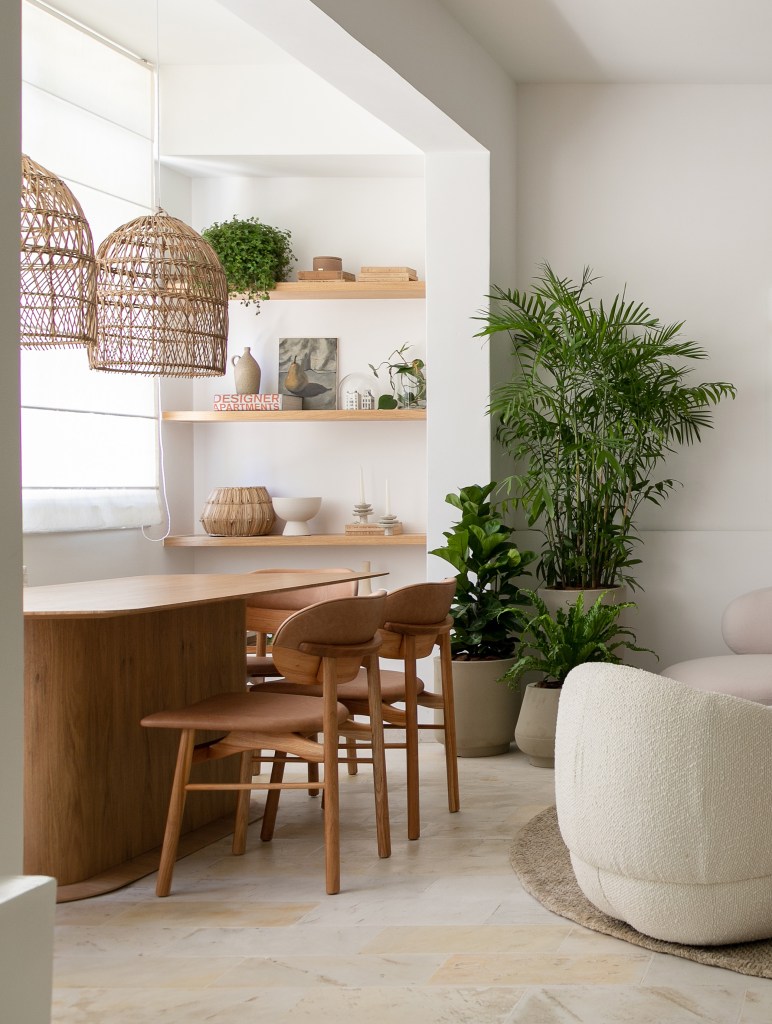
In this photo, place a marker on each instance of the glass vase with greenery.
(254, 256)
(407, 379)
(553, 644)
(598, 398)
(487, 563)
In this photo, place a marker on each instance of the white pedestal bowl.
(296, 512)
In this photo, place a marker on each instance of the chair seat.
(261, 665)
(248, 712)
(739, 675)
(392, 687)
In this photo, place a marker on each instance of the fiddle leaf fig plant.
(253, 255)
(487, 563)
(575, 635)
(599, 396)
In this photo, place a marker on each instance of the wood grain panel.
(96, 782)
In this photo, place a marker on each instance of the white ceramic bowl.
(296, 512)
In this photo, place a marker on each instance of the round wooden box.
(328, 263)
(238, 512)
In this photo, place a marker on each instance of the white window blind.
(89, 439)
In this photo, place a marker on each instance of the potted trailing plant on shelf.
(254, 256)
(552, 644)
(406, 378)
(484, 634)
(597, 399)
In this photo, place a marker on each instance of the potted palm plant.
(551, 644)
(598, 398)
(485, 624)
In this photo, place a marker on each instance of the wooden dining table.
(98, 657)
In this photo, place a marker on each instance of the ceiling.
(657, 41)
(626, 41)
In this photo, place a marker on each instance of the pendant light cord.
(161, 473)
(156, 169)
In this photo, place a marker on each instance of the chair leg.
(411, 741)
(239, 845)
(272, 801)
(449, 723)
(351, 755)
(313, 772)
(174, 817)
(380, 786)
(331, 792)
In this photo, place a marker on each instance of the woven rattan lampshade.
(58, 270)
(162, 301)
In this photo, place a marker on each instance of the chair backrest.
(656, 779)
(419, 610)
(349, 624)
(266, 612)
(746, 624)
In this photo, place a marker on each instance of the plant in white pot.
(597, 399)
(485, 625)
(551, 644)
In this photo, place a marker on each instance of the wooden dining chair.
(417, 620)
(324, 645)
(266, 612)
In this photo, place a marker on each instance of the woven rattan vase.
(58, 270)
(238, 512)
(162, 301)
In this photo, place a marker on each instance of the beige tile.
(83, 940)
(676, 972)
(113, 970)
(757, 1007)
(173, 1006)
(405, 1006)
(627, 1004)
(545, 969)
(460, 939)
(170, 911)
(582, 940)
(298, 940)
(318, 971)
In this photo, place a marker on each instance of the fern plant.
(253, 255)
(553, 646)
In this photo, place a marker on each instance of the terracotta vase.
(246, 373)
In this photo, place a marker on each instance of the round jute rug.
(540, 859)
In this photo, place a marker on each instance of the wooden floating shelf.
(209, 416)
(348, 290)
(311, 540)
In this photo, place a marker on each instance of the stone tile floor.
(440, 933)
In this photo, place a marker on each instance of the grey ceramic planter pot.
(486, 710)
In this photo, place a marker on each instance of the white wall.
(26, 904)
(666, 190)
(449, 98)
(362, 221)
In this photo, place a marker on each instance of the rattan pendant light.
(58, 271)
(162, 301)
(162, 295)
